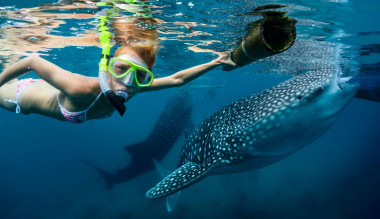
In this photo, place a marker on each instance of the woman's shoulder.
(87, 88)
(93, 85)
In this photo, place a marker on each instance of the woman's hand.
(225, 59)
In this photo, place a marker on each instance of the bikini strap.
(18, 109)
(59, 103)
(94, 101)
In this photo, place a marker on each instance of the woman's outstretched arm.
(182, 77)
(69, 83)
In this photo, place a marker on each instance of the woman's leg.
(8, 92)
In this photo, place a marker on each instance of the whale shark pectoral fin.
(136, 149)
(184, 176)
(171, 200)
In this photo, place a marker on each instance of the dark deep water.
(337, 176)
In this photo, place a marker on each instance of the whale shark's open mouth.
(345, 82)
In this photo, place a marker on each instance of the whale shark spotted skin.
(260, 129)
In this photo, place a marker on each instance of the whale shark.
(260, 129)
(172, 122)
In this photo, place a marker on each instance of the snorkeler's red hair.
(141, 39)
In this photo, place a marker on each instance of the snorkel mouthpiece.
(117, 100)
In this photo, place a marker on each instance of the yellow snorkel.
(118, 99)
(104, 39)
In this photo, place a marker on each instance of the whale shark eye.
(299, 97)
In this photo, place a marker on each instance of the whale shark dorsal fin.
(181, 178)
(164, 172)
(171, 201)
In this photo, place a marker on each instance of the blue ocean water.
(334, 177)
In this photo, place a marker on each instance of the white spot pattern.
(222, 139)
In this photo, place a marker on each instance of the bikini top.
(78, 117)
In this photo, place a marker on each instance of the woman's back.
(37, 96)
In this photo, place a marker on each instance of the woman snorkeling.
(73, 97)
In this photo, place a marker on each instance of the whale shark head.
(294, 113)
(324, 92)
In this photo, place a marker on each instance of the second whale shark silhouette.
(260, 129)
(174, 119)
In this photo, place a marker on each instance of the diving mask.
(128, 70)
